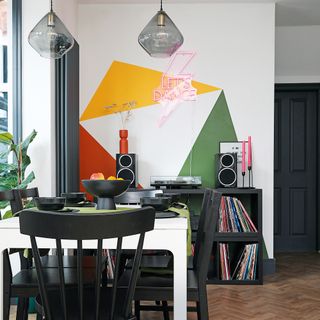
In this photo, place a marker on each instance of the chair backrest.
(82, 226)
(134, 196)
(206, 236)
(15, 197)
(206, 198)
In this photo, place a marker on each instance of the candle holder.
(250, 177)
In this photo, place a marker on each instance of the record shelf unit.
(236, 241)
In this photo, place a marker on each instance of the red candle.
(243, 157)
(249, 152)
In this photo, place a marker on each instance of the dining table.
(168, 234)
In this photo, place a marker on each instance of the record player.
(175, 182)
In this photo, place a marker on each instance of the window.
(10, 68)
(4, 86)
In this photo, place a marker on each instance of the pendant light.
(50, 38)
(160, 37)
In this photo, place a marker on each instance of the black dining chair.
(157, 287)
(109, 302)
(24, 284)
(150, 259)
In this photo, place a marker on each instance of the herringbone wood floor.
(293, 293)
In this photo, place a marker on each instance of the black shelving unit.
(252, 201)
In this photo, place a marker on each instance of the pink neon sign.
(176, 85)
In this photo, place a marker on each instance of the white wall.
(297, 54)
(235, 51)
(38, 91)
(67, 10)
(37, 103)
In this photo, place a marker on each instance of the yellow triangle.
(128, 86)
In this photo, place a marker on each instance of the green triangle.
(218, 127)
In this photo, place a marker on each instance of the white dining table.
(168, 234)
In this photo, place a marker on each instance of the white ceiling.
(288, 12)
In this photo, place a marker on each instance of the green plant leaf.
(26, 142)
(9, 182)
(4, 204)
(27, 180)
(7, 215)
(6, 137)
(5, 154)
(6, 167)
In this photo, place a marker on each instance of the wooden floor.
(293, 293)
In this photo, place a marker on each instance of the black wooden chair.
(86, 303)
(153, 287)
(160, 259)
(24, 284)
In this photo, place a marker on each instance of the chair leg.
(202, 306)
(165, 311)
(6, 306)
(137, 309)
(22, 309)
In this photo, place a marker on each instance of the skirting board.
(269, 266)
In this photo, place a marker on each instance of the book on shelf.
(245, 267)
(224, 261)
(233, 216)
(109, 263)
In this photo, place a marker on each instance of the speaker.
(226, 170)
(126, 167)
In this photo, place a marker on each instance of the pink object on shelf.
(243, 157)
(249, 152)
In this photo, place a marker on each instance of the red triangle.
(94, 158)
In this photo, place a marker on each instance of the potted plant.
(12, 173)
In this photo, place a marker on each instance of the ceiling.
(288, 12)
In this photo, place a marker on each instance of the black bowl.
(175, 197)
(159, 203)
(50, 203)
(74, 197)
(106, 190)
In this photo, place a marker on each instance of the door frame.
(280, 87)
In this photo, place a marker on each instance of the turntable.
(175, 182)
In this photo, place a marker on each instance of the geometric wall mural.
(194, 125)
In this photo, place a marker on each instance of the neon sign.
(176, 85)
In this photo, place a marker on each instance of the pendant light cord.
(51, 6)
(160, 5)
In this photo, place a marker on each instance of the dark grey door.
(295, 174)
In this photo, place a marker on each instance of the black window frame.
(17, 69)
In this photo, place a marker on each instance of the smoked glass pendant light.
(50, 38)
(160, 37)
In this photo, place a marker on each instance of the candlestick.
(249, 152)
(243, 157)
